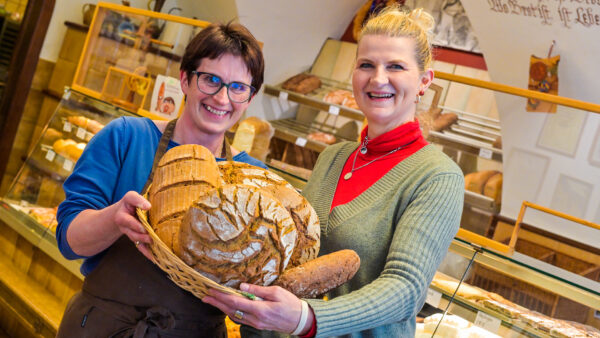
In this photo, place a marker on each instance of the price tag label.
(334, 110)
(50, 155)
(433, 298)
(68, 165)
(487, 322)
(283, 95)
(485, 153)
(300, 141)
(67, 127)
(81, 133)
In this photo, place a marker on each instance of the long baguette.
(320, 275)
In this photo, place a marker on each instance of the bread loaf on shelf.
(487, 183)
(253, 136)
(444, 121)
(320, 275)
(302, 83)
(341, 97)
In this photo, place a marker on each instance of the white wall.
(535, 163)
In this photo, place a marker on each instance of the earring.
(421, 93)
(418, 100)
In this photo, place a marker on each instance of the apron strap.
(226, 151)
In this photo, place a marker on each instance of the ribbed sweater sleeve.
(401, 227)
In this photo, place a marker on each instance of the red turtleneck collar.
(408, 135)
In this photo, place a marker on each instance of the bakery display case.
(131, 58)
(516, 286)
(29, 206)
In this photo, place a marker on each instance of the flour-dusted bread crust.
(238, 233)
(304, 216)
(320, 275)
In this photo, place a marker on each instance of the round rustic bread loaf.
(304, 216)
(238, 233)
(182, 175)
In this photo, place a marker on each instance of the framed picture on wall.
(453, 28)
(562, 130)
(595, 150)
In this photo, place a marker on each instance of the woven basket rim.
(181, 267)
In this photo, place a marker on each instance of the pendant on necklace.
(347, 176)
(363, 150)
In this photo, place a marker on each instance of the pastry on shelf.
(341, 97)
(69, 148)
(302, 83)
(51, 135)
(320, 136)
(44, 216)
(86, 123)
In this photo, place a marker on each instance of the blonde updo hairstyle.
(395, 22)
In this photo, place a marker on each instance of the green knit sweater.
(400, 227)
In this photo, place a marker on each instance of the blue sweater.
(117, 160)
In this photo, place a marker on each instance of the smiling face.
(386, 81)
(212, 115)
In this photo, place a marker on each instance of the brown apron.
(127, 295)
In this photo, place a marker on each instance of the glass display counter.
(30, 205)
(131, 58)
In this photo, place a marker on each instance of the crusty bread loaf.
(320, 275)
(253, 135)
(493, 188)
(321, 137)
(238, 233)
(302, 83)
(444, 121)
(182, 175)
(304, 216)
(476, 181)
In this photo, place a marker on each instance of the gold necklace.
(349, 174)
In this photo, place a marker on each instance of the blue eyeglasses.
(210, 84)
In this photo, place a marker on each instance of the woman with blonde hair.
(392, 198)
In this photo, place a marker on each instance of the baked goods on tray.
(341, 97)
(320, 136)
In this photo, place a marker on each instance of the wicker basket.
(179, 272)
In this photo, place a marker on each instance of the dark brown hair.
(218, 39)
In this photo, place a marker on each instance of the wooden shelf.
(466, 144)
(315, 98)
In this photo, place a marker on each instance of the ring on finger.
(137, 243)
(238, 314)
